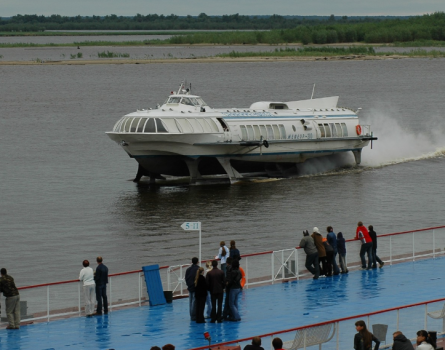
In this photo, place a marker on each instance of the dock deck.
(263, 310)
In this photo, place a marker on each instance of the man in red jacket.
(363, 235)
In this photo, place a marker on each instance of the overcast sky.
(220, 7)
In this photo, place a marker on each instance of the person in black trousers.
(200, 295)
(101, 279)
(215, 283)
(375, 258)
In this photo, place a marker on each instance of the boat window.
(160, 126)
(327, 130)
(243, 133)
(150, 125)
(118, 125)
(201, 102)
(213, 125)
(170, 125)
(186, 101)
(185, 126)
(263, 131)
(141, 124)
(174, 100)
(345, 129)
(127, 124)
(223, 124)
(333, 129)
(269, 132)
(124, 122)
(338, 127)
(250, 132)
(282, 132)
(196, 126)
(276, 132)
(322, 130)
(256, 130)
(205, 126)
(134, 124)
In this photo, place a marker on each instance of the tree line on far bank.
(280, 29)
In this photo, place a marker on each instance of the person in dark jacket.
(200, 295)
(400, 342)
(234, 283)
(375, 258)
(332, 240)
(190, 275)
(215, 283)
(341, 248)
(12, 299)
(329, 256)
(256, 344)
(101, 280)
(363, 339)
(227, 314)
(234, 252)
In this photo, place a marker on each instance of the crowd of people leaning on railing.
(324, 250)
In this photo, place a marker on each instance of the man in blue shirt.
(332, 240)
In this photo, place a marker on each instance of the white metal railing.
(338, 334)
(62, 299)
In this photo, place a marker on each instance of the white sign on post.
(194, 226)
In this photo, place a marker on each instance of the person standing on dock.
(12, 299)
(318, 240)
(375, 258)
(223, 254)
(308, 244)
(332, 240)
(87, 277)
(101, 279)
(341, 248)
(363, 235)
(234, 252)
(216, 282)
(190, 275)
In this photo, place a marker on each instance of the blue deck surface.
(263, 310)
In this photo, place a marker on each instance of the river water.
(66, 188)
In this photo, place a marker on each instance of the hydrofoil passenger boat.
(186, 137)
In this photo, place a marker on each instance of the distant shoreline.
(203, 60)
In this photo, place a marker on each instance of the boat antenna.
(313, 89)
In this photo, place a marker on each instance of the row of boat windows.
(269, 132)
(153, 125)
(333, 130)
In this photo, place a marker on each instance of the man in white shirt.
(89, 287)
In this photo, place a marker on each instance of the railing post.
(139, 289)
(413, 248)
(168, 279)
(78, 290)
(111, 296)
(272, 266)
(304, 338)
(282, 265)
(247, 272)
(398, 315)
(434, 245)
(47, 302)
(180, 276)
(297, 270)
(426, 316)
(390, 250)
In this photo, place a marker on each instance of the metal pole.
(426, 316)
(390, 250)
(247, 273)
(398, 315)
(47, 301)
(78, 290)
(283, 265)
(297, 271)
(413, 248)
(111, 295)
(304, 339)
(271, 264)
(434, 245)
(140, 289)
(338, 335)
